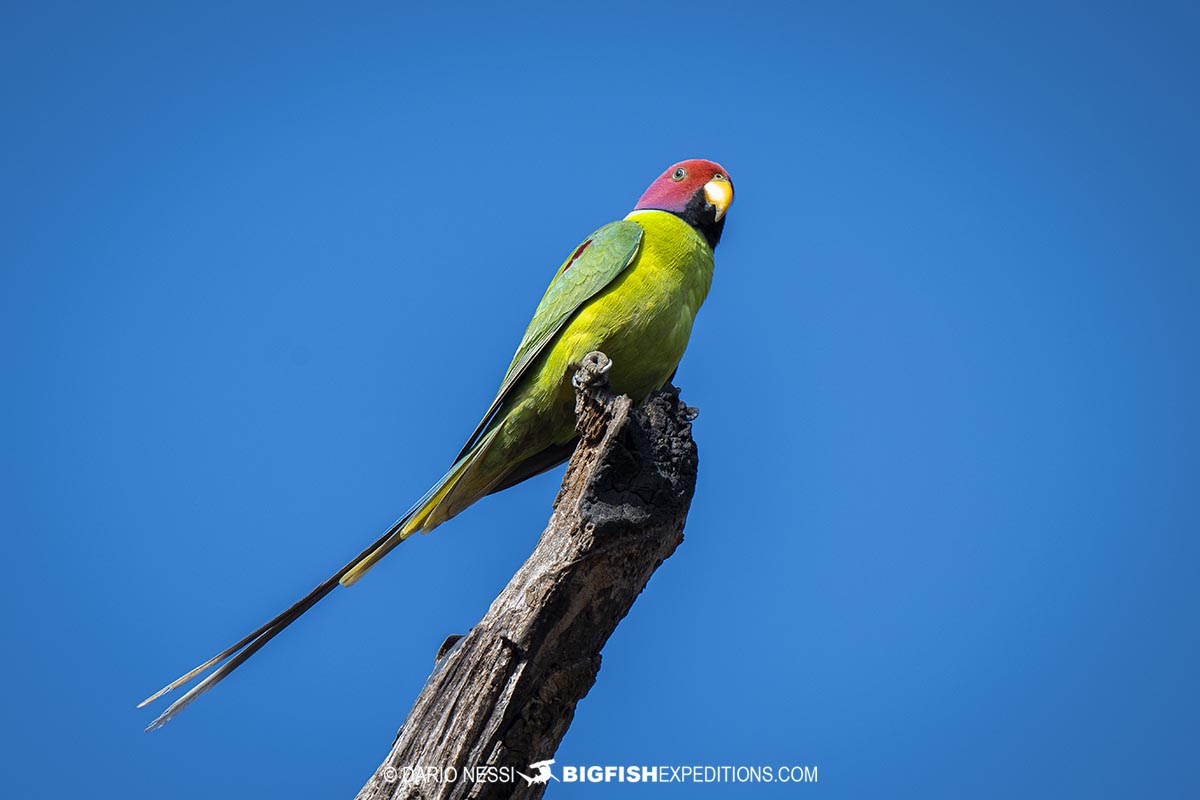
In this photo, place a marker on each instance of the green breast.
(644, 319)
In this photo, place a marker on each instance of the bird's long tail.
(233, 657)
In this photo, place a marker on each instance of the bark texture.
(502, 697)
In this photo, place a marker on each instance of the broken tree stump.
(502, 697)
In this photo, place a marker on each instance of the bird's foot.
(592, 395)
(593, 371)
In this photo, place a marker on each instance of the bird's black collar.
(702, 216)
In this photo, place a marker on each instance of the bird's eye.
(718, 177)
(679, 174)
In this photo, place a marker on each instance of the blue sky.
(263, 269)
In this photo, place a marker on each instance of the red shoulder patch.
(578, 252)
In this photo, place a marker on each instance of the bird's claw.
(593, 371)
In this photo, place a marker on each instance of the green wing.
(592, 266)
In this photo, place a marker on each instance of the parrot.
(630, 290)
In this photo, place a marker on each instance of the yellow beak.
(719, 194)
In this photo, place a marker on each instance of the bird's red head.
(698, 191)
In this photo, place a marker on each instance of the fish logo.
(544, 775)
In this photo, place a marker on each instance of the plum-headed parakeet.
(631, 290)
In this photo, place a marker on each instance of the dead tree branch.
(503, 696)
